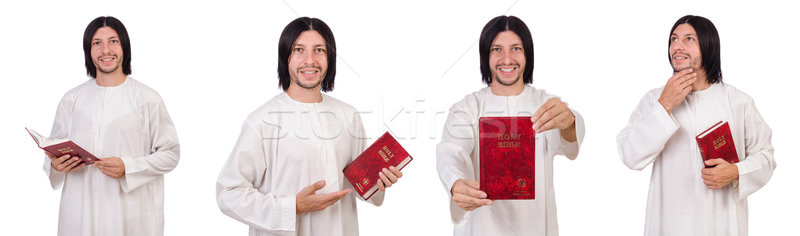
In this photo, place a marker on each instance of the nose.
(506, 57)
(104, 48)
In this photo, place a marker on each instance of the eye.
(319, 50)
(517, 49)
(114, 41)
(690, 39)
(298, 50)
(495, 49)
(673, 39)
(95, 43)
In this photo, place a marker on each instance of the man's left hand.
(554, 114)
(388, 177)
(720, 175)
(112, 166)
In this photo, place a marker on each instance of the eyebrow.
(689, 34)
(303, 45)
(96, 39)
(512, 45)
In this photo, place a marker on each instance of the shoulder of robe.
(144, 93)
(261, 114)
(471, 101)
(73, 93)
(736, 96)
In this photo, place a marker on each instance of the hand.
(307, 200)
(554, 114)
(468, 196)
(112, 166)
(388, 177)
(720, 175)
(65, 163)
(676, 89)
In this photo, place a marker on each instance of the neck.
(110, 79)
(701, 83)
(507, 90)
(304, 95)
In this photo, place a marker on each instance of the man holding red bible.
(685, 196)
(284, 176)
(506, 55)
(126, 124)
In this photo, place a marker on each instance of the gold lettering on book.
(385, 153)
(508, 141)
(719, 142)
(65, 150)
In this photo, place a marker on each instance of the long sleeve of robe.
(284, 147)
(457, 157)
(678, 201)
(128, 121)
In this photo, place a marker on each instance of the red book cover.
(60, 147)
(363, 171)
(507, 157)
(717, 142)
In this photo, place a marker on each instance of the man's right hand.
(676, 89)
(468, 196)
(307, 200)
(64, 163)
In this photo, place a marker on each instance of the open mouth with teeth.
(309, 73)
(507, 70)
(107, 60)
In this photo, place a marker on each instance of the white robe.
(458, 157)
(678, 202)
(128, 121)
(285, 146)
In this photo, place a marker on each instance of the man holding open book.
(284, 176)
(688, 129)
(126, 125)
(511, 111)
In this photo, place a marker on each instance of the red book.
(717, 142)
(363, 171)
(60, 147)
(507, 157)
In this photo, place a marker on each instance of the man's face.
(106, 50)
(308, 62)
(507, 58)
(684, 49)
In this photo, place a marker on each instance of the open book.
(60, 147)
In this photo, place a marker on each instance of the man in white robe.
(284, 176)
(126, 125)
(506, 51)
(685, 198)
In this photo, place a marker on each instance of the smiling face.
(106, 51)
(684, 48)
(308, 62)
(507, 58)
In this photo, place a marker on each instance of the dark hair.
(287, 40)
(708, 38)
(117, 26)
(491, 30)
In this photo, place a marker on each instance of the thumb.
(312, 188)
(715, 161)
(473, 184)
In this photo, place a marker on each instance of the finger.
(686, 78)
(473, 184)
(334, 196)
(390, 175)
(312, 188)
(556, 122)
(385, 180)
(66, 163)
(715, 161)
(62, 159)
(544, 108)
(466, 200)
(396, 171)
(476, 193)
(380, 186)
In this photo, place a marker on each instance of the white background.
(404, 62)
